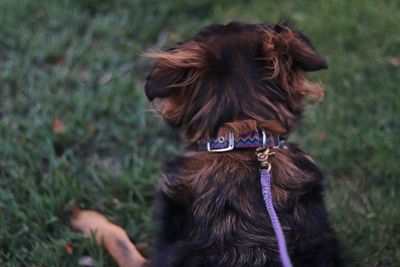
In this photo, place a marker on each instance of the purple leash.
(265, 179)
(262, 143)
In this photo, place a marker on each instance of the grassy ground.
(75, 126)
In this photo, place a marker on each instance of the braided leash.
(262, 142)
(265, 179)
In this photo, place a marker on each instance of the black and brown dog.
(236, 78)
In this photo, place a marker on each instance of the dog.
(227, 87)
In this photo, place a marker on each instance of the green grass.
(78, 61)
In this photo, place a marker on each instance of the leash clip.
(263, 155)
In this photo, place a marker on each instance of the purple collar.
(253, 140)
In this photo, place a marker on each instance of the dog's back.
(212, 212)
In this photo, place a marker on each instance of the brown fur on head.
(240, 76)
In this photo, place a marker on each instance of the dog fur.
(241, 78)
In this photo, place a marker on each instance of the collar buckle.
(231, 144)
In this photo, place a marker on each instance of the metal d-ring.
(264, 139)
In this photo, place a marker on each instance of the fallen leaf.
(41, 14)
(91, 128)
(117, 203)
(85, 74)
(321, 136)
(395, 61)
(95, 225)
(60, 62)
(69, 248)
(86, 261)
(105, 78)
(58, 126)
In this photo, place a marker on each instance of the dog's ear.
(305, 55)
(299, 48)
(173, 70)
(287, 55)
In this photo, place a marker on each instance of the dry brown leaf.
(105, 78)
(69, 248)
(58, 126)
(321, 136)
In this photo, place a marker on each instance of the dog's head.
(228, 74)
